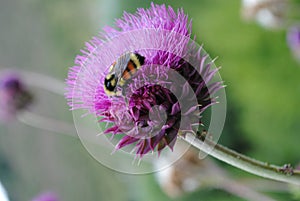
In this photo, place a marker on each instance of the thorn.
(202, 135)
(287, 169)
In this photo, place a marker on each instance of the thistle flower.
(164, 98)
(46, 197)
(14, 96)
(293, 40)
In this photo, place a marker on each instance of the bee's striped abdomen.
(118, 77)
(135, 62)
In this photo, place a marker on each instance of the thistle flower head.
(14, 95)
(161, 100)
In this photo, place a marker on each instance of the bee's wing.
(121, 65)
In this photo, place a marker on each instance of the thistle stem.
(39, 121)
(43, 81)
(46, 123)
(263, 169)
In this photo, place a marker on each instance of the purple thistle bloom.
(46, 197)
(14, 96)
(150, 111)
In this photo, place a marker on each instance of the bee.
(121, 71)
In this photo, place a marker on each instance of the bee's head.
(110, 84)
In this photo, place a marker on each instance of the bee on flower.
(145, 79)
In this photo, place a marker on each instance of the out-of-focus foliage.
(262, 89)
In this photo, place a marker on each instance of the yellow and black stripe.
(135, 62)
(130, 68)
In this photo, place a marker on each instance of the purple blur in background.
(48, 196)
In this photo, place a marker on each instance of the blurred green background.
(263, 92)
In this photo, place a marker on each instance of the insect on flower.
(168, 78)
(121, 71)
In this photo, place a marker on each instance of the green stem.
(263, 169)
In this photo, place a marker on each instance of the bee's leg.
(119, 93)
